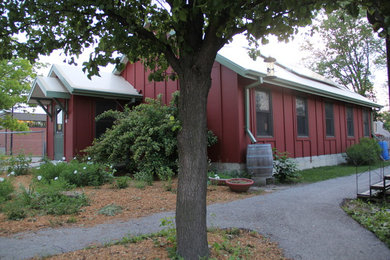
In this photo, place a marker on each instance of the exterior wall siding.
(285, 136)
(226, 116)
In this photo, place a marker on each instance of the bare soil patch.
(134, 201)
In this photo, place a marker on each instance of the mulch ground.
(134, 201)
(137, 203)
(246, 245)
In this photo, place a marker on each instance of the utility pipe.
(247, 108)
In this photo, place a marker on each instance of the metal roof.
(238, 60)
(64, 81)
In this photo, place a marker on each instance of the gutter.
(247, 108)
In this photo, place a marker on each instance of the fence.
(23, 142)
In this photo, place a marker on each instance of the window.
(366, 123)
(263, 114)
(350, 129)
(302, 117)
(329, 119)
(59, 120)
(104, 123)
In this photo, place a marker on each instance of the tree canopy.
(15, 78)
(185, 35)
(349, 53)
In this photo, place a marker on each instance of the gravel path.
(305, 220)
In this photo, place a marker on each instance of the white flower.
(12, 173)
(89, 158)
(39, 177)
(75, 171)
(74, 158)
(1, 179)
(56, 178)
(63, 158)
(84, 167)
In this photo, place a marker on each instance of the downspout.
(247, 108)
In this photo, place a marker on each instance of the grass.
(330, 172)
(375, 216)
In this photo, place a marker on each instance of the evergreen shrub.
(366, 152)
(143, 139)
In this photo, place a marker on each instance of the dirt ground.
(134, 201)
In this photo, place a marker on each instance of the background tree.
(15, 79)
(349, 53)
(378, 14)
(185, 35)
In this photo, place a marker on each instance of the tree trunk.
(388, 65)
(191, 228)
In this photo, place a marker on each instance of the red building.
(303, 113)
(312, 118)
(72, 102)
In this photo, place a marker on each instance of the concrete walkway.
(305, 220)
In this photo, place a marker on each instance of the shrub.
(285, 169)
(122, 182)
(76, 173)
(6, 189)
(18, 165)
(145, 140)
(366, 152)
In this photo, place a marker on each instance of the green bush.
(6, 189)
(285, 169)
(18, 165)
(75, 173)
(43, 199)
(366, 152)
(121, 182)
(145, 140)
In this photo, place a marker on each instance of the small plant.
(76, 173)
(235, 250)
(110, 210)
(44, 199)
(6, 189)
(367, 152)
(18, 165)
(122, 182)
(285, 169)
(168, 185)
(140, 185)
(71, 220)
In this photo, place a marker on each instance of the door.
(58, 134)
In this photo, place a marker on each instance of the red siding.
(226, 116)
(317, 143)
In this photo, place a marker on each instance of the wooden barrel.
(259, 162)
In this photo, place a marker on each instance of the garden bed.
(224, 244)
(136, 201)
